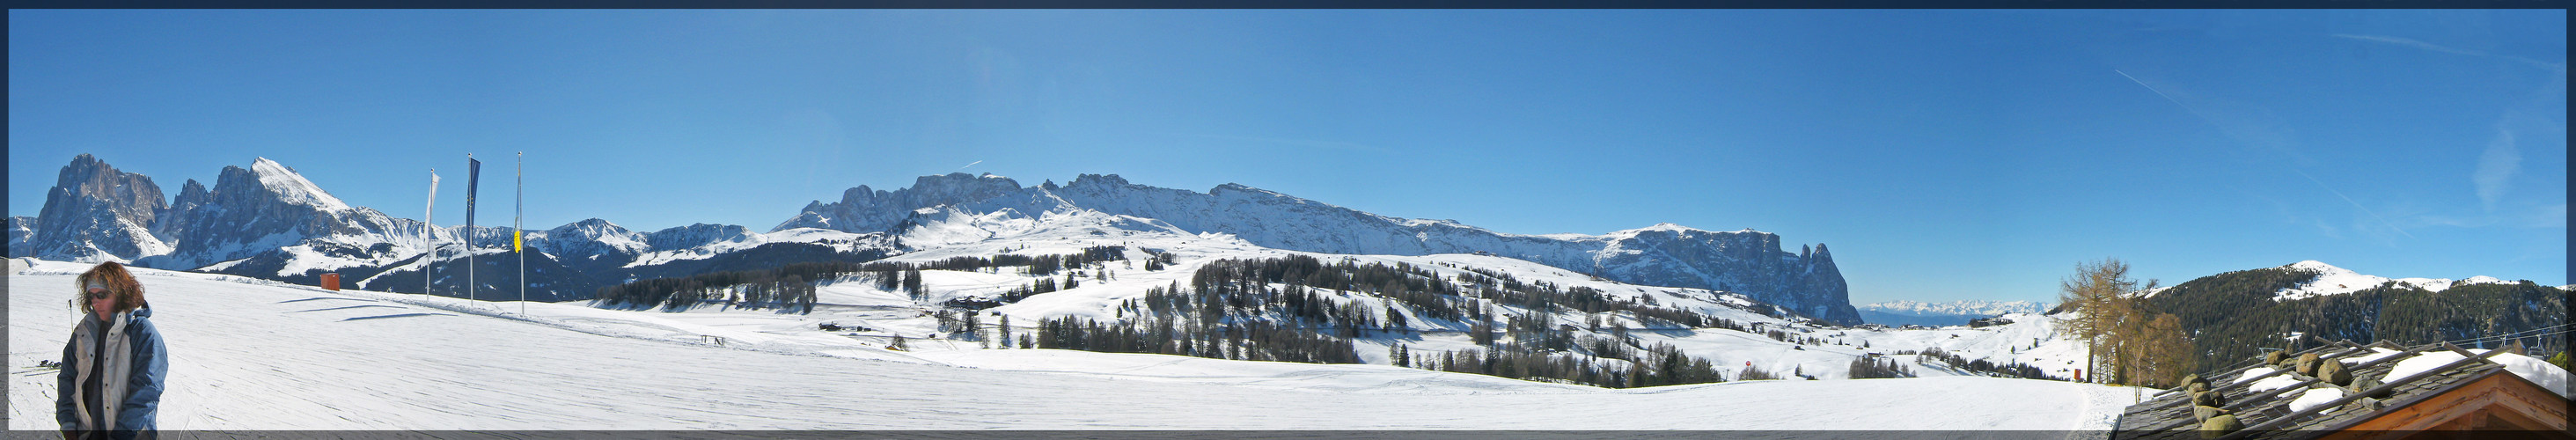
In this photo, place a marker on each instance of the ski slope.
(256, 355)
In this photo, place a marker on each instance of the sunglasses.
(97, 291)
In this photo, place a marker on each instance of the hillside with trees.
(2234, 315)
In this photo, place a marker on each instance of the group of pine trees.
(2234, 317)
(1037, 265)
(1878, 367)
(1256, 340)
(1303, 309)
(1300, 309)
(793, 285)
(789, 286)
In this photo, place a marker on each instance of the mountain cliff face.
(864, 210)
(96, 213)
(270, 208)
(1748, 262)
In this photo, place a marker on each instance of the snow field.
(266, 356)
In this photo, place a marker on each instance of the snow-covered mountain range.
(268, 221)
(1963, 307)
(1936, 314)
(1746, 261)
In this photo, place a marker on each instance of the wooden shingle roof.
(2268, 415)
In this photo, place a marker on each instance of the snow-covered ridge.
(2331, 280)
(291, 187)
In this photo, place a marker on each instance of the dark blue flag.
(473, 175)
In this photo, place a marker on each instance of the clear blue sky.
(1942, 154)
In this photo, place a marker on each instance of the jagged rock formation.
(863, 210)
(96, 213)
(268, 207)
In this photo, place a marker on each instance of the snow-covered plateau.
(260, 355)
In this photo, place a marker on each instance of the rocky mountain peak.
(191, 194)
(285, 185)
(861, 195)
(863, 209)
(955, 188)
(592, 229)
(97, 213)
(263, 207)
(127, 195)
(1097, 180)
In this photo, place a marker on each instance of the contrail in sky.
(2168, 98)
(2357, 205)
(2320, 184)
(969, 164)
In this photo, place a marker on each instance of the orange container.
(331, 281)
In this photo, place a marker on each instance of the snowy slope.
(1069, 231)
(2333, 280)
(253, 355)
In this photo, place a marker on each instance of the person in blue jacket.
(114, 366)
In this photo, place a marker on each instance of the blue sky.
(1943, 155)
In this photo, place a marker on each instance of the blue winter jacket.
(145, 364)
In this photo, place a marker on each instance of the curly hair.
(120, 284)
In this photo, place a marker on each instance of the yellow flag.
(514, 241)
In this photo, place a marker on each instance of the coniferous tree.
(912, 284)
(1005, 323)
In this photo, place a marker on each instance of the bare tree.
(2128, 341)
(2168, 351)
(2095, 293)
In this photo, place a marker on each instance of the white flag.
(433, 190)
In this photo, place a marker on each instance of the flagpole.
(519, 213)
(429, 234)
(473, 172)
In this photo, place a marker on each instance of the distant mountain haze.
(1936, 314)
